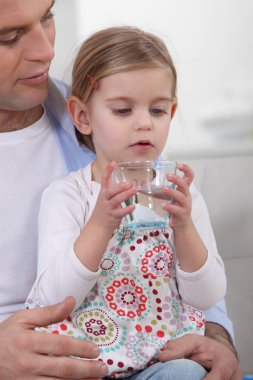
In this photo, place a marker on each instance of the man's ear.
(78, 112)
(173, 108)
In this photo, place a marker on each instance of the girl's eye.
(122, 111)
(157, 111)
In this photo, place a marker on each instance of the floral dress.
(135, 306)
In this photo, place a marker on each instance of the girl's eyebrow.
(9, 29)
(126, 98)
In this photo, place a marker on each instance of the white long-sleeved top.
(66, 207)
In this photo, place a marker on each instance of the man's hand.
(213, 355)
(26, 354)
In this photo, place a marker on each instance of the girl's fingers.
(188, 173)
(106, 177)
(180, 182)
(123, 211)
(111, 189)
(116, 189)
(177, 197)
(174, 210)
(124, 195)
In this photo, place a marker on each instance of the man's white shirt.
(30, 160)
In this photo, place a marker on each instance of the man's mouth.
(35, 79)
(40, 75)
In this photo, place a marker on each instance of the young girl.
(134, 289)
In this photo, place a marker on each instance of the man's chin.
(33, 99)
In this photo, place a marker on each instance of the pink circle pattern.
(137, 348)
(157, 261)
(126, 298)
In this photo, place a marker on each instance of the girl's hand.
(184, 232)
(108, 211)
(106, 217)
(180, 208)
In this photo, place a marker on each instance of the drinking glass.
(149, 177)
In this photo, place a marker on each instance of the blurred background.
(211, 42)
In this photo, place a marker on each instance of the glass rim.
(146, 163)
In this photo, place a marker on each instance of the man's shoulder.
(55, 102)
(58, 85)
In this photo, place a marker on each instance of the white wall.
(66, 38)
(211, 42)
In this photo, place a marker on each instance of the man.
(38, 145)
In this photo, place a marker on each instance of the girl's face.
(129, 115)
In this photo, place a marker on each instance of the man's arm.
(220, 334)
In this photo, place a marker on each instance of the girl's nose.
(144, 121)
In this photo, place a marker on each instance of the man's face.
(27, 34)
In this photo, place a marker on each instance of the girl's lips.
(142, 146)
(143, 142)
(36, 79)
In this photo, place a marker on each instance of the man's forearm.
(218, 333)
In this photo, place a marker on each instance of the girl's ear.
(173, 108)
(78, 112)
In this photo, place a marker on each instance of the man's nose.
(41, 45)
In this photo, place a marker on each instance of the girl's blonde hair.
(114, 50)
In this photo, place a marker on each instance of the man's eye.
(11, 38)
(48, 17)
(122, 111)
